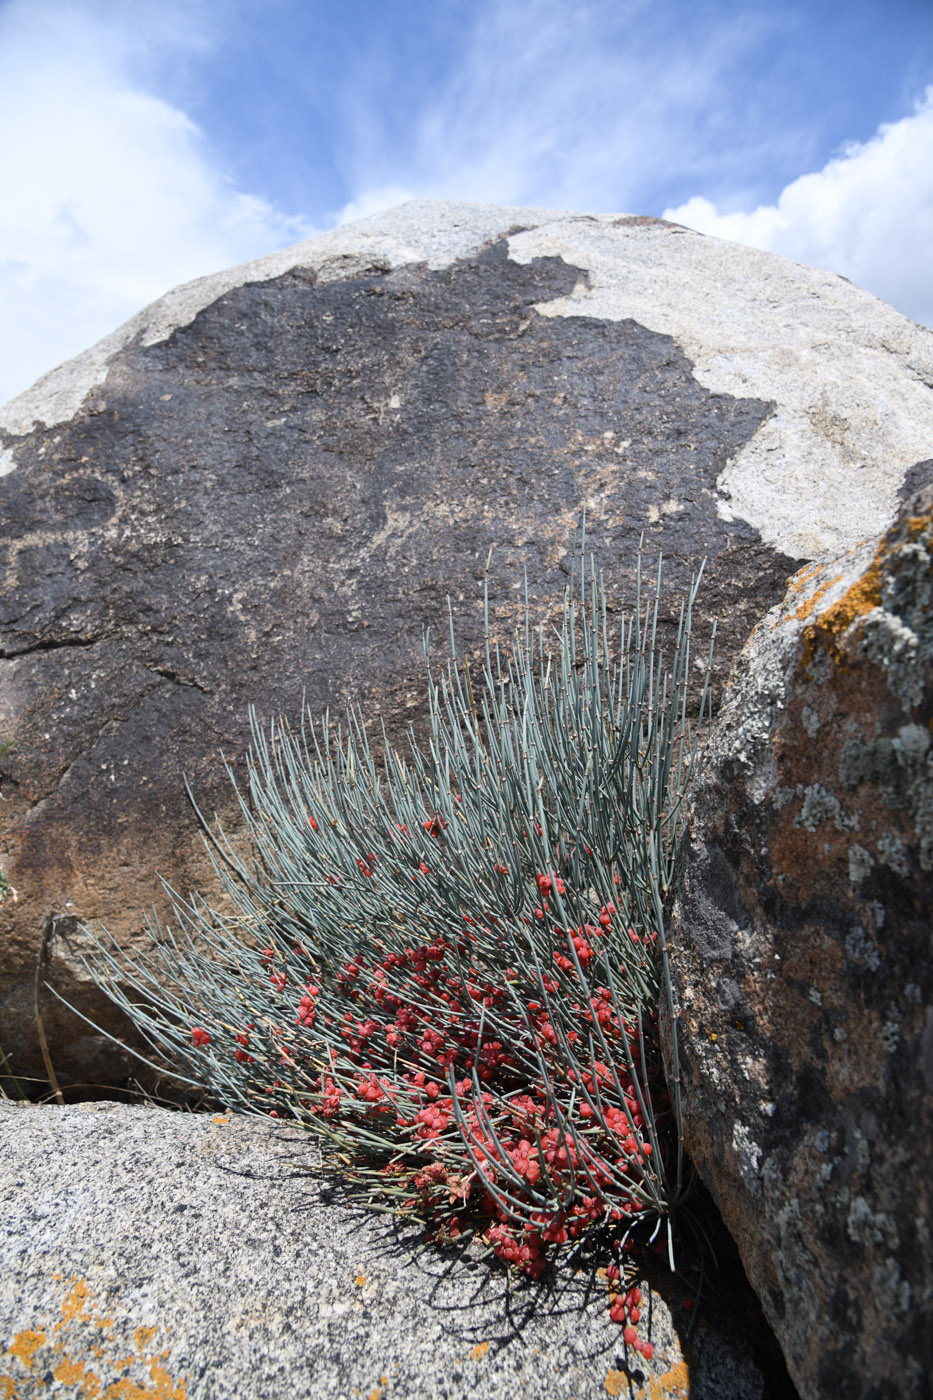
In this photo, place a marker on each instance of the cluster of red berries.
(625, 1308)
(493, 1095)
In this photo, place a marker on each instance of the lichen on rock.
(823, 832)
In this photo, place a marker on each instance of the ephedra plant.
(448, 963)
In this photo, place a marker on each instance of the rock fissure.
(52, 644)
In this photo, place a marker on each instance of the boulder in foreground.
(803, 965)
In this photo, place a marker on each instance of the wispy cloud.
(868, 214)
(112, 196)
(586, 106)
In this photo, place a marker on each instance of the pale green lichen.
(895, 649)
(810, 720)
(891, 850)
(870, 761)
(748, 1158)
(902, 770)
(818, 806)
(890, 1032)
(891, 1290)
(868, 1227)
(912, 743)
(860, 864)
(861, 948)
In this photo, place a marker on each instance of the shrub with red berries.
(449, 964)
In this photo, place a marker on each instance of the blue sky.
(142, 144)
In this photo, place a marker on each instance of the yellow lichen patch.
(675, 1382)
(806, 608)
(672, 1385)
(163, 1385)
(803, 576)
(479, 1351)
(220, 1119)
(360, 1280)
(72, 1372)
(70, 1343)
(862, 597)
(77, 1306)
(795, 584)
(25, 1345)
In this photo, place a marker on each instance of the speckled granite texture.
(201, 1258)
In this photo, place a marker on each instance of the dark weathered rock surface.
(803, 965)
(265, 486)
(190, 1257)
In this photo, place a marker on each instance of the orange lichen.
(806, 608)
(862, 597)
(25, 1345)
(162, 1388)
(479, 1351)
(79, 1312)
(74, 1304)
(795, 584)
(676, 1381)
(69, 1372)
(803, 577)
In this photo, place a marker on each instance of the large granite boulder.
(264, 486)
(803, 966)
(193, 1257)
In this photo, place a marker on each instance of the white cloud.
(374, 201)
(110, 194)
(868, 215)
(559, 105)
